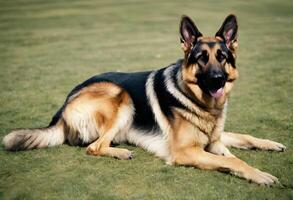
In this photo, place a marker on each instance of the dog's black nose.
(216, 80)
(219, 77)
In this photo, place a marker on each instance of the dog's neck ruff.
(164, 93)
(175, 86)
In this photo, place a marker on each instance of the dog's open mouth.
(217, 93)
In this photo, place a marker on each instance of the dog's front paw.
(272, 145)
(260, 177)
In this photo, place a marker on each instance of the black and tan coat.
(177, 112)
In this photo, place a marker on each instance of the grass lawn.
(47, 47)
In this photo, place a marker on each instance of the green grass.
(47, 47)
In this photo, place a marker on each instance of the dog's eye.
(221, 56)
(203, 58)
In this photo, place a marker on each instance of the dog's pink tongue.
(218, 93)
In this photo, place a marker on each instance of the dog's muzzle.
(215, 83)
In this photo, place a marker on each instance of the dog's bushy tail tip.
(25, 139)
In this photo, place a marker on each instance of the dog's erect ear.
(189, 33)
(229, 32)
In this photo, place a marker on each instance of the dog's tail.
(25, 139)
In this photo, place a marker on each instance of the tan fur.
(103, 103)
(187, 148)
(244, 141)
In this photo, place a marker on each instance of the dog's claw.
(282, 147)
(276, 146)
(131, 155)
(125, 155)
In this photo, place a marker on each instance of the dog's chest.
(202, 128)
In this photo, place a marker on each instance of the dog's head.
(209, 66)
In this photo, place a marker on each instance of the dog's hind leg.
(109, 129)
(244, 141)
(97, 115)
(101, 147)
(117, 124)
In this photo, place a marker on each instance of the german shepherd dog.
(177, 112)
